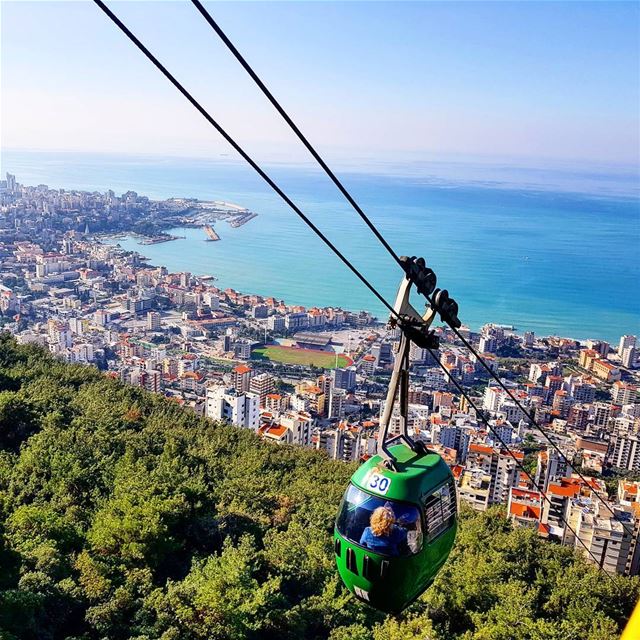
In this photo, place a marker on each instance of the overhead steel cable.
(247, 67)
(265, 90)
(240, 150)
(283, 195)
(307, 221)
(531, 418)
(543, 493)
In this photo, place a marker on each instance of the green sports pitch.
(305, 357)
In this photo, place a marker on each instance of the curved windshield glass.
(384, 526)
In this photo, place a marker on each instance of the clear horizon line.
(392, 157)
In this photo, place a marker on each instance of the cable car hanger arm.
(415, 328)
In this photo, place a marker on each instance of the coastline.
(473, 237)
(380, 320)
(185, 264)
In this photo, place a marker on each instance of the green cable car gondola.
(397, 521)
(389, 572)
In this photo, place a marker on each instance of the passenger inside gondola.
(383, 535)
(360, 518)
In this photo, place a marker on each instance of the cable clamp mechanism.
(418, 332)
(424, 279)
(446, 307)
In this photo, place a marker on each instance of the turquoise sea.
(554, 251)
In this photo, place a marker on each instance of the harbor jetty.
(243, 218)
(212, 236)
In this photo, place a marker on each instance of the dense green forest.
(123, 516)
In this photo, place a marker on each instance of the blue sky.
(388, 80)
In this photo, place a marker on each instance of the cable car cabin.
(397, 520)
(395, 529)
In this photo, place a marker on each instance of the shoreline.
(547, 292)
(509, 328)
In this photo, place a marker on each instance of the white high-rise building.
(154, 321)
(299, 424)
(341, 443)
(337, 399)
(344, 378)
(626, 452)
(499, 466)
(608, 540)
(624, 393)
(240, 409)
(502, 430)
(552, 466)
(417, 418)
(629, 357)
(453, 436)
(211, 300)
(625, 342)
(492, 398)
(434, 378)
(488, 344)
(510, 410)
(76, 326)
(418, 354)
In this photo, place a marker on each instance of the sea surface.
(554, 251)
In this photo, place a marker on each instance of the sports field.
(306, 357)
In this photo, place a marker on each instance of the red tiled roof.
(606, 365)
(524, 510)
(524, 493)
(480, 448)
(457, 470)
(313, 390)
(567, 490)
(276, 430)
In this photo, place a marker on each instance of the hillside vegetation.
(123, 516)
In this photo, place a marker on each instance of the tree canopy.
(123, 516)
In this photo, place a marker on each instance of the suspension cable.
(297, 210)
(247, 67)
(241, 151)
(486, 422)
(531, 418)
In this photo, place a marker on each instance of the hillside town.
(317, 377)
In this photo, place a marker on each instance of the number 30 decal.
(378, 483)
